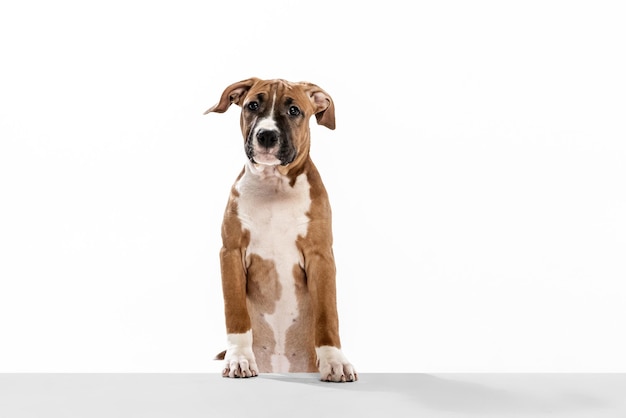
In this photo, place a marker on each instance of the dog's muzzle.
(267, 146)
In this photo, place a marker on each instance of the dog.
(277, 262)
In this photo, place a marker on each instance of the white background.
(477, 176)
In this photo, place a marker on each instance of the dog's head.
(275, 117)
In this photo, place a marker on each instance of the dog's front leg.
(239, 357)
(331, 362)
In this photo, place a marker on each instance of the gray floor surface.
(303, 395)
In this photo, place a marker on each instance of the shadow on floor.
(444, 394)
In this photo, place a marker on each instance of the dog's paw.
(240, 365)
(239, 358)
(334, 366)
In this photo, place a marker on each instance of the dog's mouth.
(269, 147)
(270, 157)
(265, 158)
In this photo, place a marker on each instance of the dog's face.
(275, 117)
(274, 125)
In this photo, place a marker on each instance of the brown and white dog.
(278, 268)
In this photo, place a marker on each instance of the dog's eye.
(253, 106)
(294, 111)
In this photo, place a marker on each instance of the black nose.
(267, 138)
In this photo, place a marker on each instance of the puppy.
(277, 263)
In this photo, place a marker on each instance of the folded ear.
(233, 94)
(324, 106)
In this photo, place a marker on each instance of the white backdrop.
(477, 176)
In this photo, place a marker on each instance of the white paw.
(239, 358)
(334, 366)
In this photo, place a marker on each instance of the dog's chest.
(275, 213)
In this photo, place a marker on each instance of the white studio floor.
(303, 395)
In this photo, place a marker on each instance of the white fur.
(240, 360)
(266, 123)
(275, 214)
(334, 365)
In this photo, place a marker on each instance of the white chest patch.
(275, 213)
